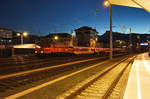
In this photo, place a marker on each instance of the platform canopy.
(145, 4)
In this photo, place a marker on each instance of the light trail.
(128, 92)
(138, 86)
(138, 80)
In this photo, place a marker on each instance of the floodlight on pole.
(18, 34)
(24, 34)
(106, 3)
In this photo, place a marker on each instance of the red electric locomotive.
(49, 48)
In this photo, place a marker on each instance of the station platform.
(138, 86)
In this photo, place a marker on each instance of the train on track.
(48, 48)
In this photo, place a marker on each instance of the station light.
(106, 3)
(56, 37)
(25, 34)
(18, 34)
(97, 39)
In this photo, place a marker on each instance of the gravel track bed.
(118, 91)
(8, 85)
(34, 64)
(27, 81)
(98, 88)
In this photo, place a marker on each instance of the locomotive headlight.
(42, 52)
(35, 51)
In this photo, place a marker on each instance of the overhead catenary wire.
(38, 11)
(54, 24)
(116, 17)
(73, 26)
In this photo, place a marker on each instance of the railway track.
(40, 63)
(101, 85)
(27, 59)
(14, 80)
(18, 60)
(14, 60)
(15, 66)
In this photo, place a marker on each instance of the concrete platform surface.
(138, 86)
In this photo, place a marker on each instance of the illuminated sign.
(144, 44)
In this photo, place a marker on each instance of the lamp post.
(24, 34)
(107, 3)
(72, 39)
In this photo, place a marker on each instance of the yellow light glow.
(96, 39)
(25, 34)
(121, 42)
(106, 3)
(56, 37)
(18, 34)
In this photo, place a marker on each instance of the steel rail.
(42, 69)
(73, 92)
(70, 94)
(114, 83)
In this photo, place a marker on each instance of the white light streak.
(138, 80)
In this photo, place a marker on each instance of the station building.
(133, 41)
(86, 36)
(6, 36)
(61, 39)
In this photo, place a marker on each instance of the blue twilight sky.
(41, 17)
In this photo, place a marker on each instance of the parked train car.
(48, 48)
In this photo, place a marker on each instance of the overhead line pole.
(107, 3)
(130, 38)
(111, 43)
(21, 39)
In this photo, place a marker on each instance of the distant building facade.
(6, 36)
(123, 40)
(61, 39)
(86, 36)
